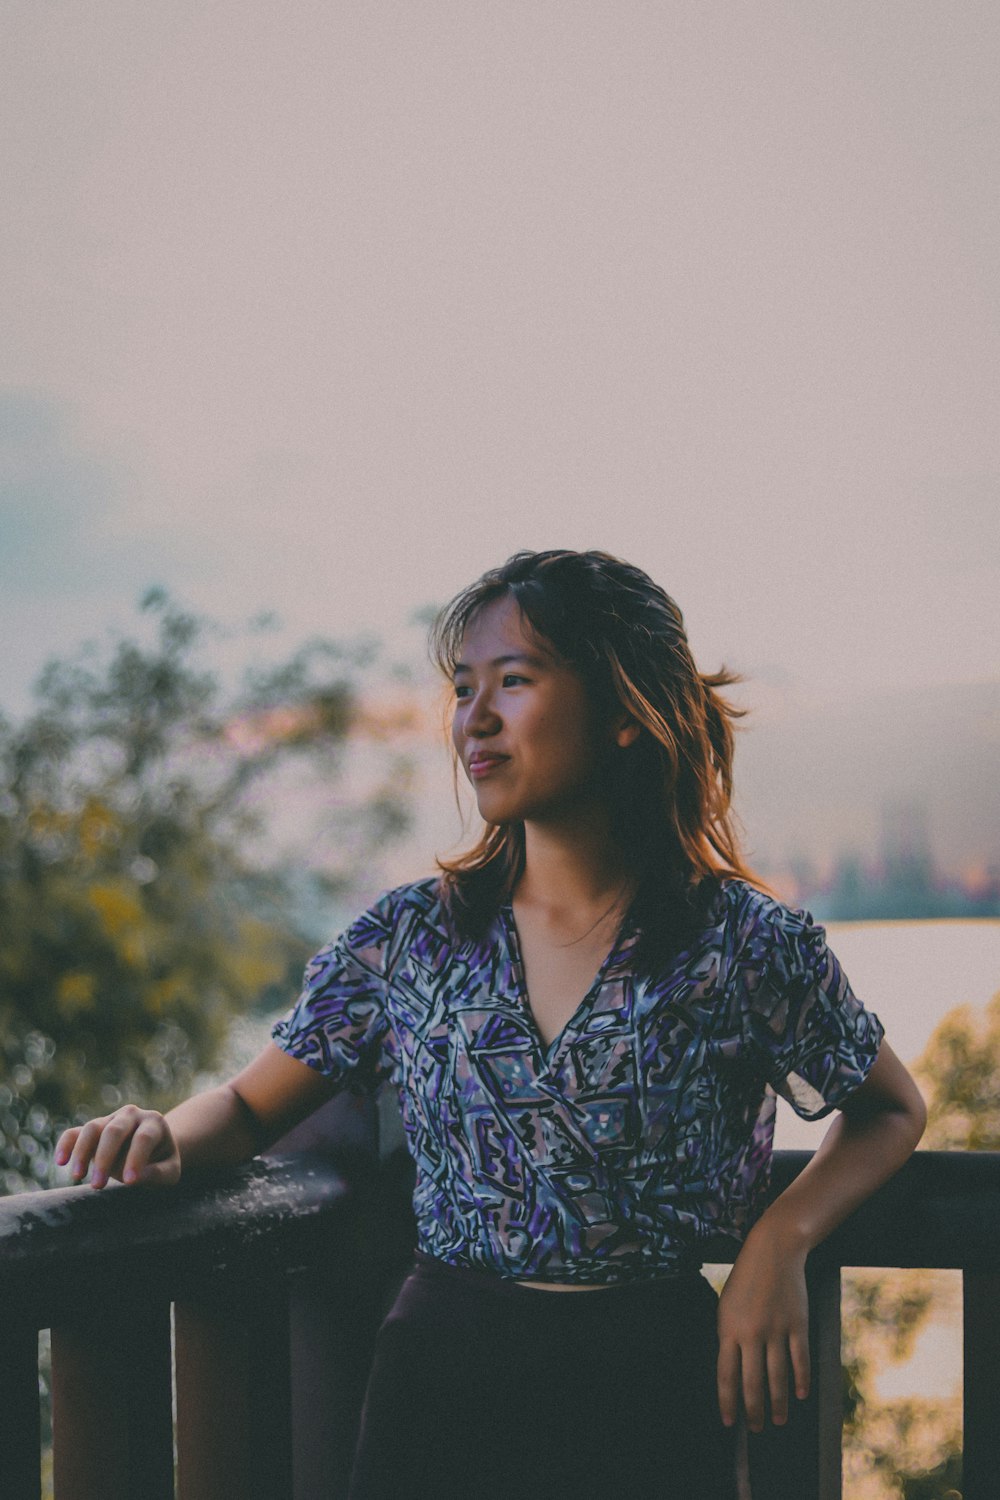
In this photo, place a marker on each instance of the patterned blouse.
(643, 1130)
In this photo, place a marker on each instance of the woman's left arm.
(763, 1308)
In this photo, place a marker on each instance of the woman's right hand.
(133, 1145)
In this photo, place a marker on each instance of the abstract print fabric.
(645, 1128)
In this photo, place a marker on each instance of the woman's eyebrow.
(501, 661)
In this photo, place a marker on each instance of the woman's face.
(523, 724)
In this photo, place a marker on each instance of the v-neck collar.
(548, 1053)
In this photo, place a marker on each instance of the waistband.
(675, 1283)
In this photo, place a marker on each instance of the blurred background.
(313, 313)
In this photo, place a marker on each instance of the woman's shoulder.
(414, 898)
(753, 911)
(386, 927)
(768, 934)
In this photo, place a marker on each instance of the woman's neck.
(573, 870)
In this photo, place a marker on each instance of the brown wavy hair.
(670, 791)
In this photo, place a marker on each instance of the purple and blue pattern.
(643, 1130)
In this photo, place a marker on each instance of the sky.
(325, 308)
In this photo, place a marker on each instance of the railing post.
(232, 1372)
(802, 1460)
(20, 1438)
(981, 1361)
(827, 1378)
(332, 1331)
(111, 1405)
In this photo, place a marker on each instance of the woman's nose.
(481, 716)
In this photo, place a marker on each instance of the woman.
(588, 1018)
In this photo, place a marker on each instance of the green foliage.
(143, 900)
(961, 1068)
(895, 1448)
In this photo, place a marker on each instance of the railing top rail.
(941, 1209)
(268, 1212)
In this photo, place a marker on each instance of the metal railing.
(197, 1333)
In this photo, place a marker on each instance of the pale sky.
(326, 307)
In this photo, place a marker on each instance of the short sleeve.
(338, 1024)
(805, 1029)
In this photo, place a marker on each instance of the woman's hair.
(670, 790)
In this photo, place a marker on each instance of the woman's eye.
(509, 679)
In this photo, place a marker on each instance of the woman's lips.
(479, 768)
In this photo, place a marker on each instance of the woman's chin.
(496, 810)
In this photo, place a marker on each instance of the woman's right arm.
(216, 1129)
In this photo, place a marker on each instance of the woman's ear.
(626, 733)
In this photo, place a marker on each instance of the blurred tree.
(961, 1068)
(896, 1449)
(143, 898)
(913, 1449)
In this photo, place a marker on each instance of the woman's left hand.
(763, 1320)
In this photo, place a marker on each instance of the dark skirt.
(481, 1388)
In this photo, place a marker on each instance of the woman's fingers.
(126, 1145)
(87, 1137)
(741, 1378)
(799, 1346)
(777, 1380)
(65, 1144)
(111, 1148)
(728, 1376)
(752, 1363)
(152, 1155)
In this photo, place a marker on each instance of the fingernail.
(96, 1178)
(130, 1174)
